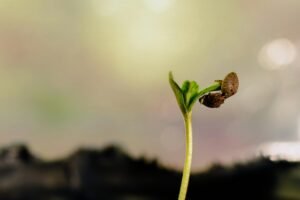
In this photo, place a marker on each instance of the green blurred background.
(91, 73)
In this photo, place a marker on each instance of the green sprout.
(212, 96)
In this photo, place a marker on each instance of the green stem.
(213, 87)
(188, 156)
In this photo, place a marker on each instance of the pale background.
(90, 73)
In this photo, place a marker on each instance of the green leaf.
(192, 101)
(178, 94)
(193, 89)
(185, 86)
(214, 87)
(190, 94)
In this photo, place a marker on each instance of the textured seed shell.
(230, 85)
(212, 100)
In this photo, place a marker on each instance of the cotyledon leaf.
(191, 94)
(178, 94)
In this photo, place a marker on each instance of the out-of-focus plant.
(212, 96)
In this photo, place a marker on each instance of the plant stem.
(214, 86)
(188, 156)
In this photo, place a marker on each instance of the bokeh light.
(282, 150)
(298, 127)
(277, 54)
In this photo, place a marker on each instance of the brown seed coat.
(230, 85)
(212, 100)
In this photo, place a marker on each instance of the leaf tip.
(170, 75)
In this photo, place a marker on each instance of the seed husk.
(230, 85)
(212, 100)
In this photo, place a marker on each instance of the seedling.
(212, 96)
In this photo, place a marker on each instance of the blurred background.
(91, 73)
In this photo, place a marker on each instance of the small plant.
(212, 96)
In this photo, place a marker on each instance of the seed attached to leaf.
(212, 100)
(230, 85)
